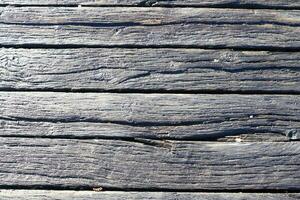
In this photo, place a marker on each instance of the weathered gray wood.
(149, 164)
(149, 69)
(168, 116)
(150, 27)
(83, 195)
(240, 3)
(196, 35)
(145, 16)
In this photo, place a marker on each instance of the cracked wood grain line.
(149, 69)
(152, 116)
(205, 3)
(133, 165)
(82, 195)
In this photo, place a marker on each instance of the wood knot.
(293, 134)
(2, 124)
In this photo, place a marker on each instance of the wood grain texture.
(233, 3)
(83, 195)
(149, 164)
(159, 116)
(190, 35)
(149, 69)
(150, 27)
(145, 16)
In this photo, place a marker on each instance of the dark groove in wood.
(153, 91)
(229, 6)
(107, 189)
(135, 124)
(142, 140)
(79, 46)
(132, 24)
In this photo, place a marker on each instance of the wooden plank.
(150, 27)
(233, 3)
(82, 195)
(145, 16)
(150, 164)
(203, 36)
(164, 116)
(140, 69)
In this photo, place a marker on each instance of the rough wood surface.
(149, 142)
(83, 195)
(219, 3)
(149, 164)
(150, 27)
(145, 16)
(149, 69)
(195, 35)
(168, 116)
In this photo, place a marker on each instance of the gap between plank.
(153, 91)
(133, 24)
(80, 46)
(144, 5)
(108, 189)
(146, 141)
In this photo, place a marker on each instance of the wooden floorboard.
(149, 99)
(204, 36)
(83, 195)
(219, 3)
(174, 165)
(110, 16)
(168, 116)
(147, 27)
(149, 70)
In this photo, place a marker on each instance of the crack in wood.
(291, 134)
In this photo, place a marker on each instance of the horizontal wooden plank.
(196, 27)
(145, 16)
(191, 35)
(164, 116)
(82, 195)
(149, 69)
(233, 3)
(149, 164)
